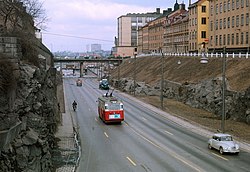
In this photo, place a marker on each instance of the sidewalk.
(67, 145)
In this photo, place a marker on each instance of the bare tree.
(16, 14)
(38, 13)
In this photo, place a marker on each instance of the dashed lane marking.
(131, 161)
(106, 134)
(220, 156)
(168, 132)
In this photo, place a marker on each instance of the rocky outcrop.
(206, 95)
(27, 146)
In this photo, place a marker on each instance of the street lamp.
(135, 53)
(162, 79)
(223, 90)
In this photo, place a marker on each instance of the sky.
(75, 24)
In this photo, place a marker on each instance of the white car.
(224, 143)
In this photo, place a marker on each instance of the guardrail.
(216, 55)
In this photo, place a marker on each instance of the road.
(145, 142)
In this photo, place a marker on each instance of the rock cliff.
(28, 117)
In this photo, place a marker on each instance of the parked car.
(78, 82)
(104, 84)
(224, 143)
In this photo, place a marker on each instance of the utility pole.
(135, 53)
(223, 90)
(162, 79)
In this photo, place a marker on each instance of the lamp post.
(162, 79)
(135, 53)
(223, 115)
(223, 90)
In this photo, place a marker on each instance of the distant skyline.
(77, 23)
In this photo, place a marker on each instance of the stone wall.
(206, 95)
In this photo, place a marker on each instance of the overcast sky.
(74, 24)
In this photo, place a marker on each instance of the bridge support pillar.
(81, 69)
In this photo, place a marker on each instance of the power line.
(79, 37)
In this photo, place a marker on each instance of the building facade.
(229, 25)
(198, 26)
(128, 26)
(176, 31)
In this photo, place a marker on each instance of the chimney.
(190, 2)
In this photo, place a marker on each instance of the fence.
(216, 55)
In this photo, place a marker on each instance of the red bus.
(110, 109)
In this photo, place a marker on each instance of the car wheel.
(209, 146)
(221, 150)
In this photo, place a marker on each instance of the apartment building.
(176, 31)
(198, 26)
(229, 25)
(156, 32)
(128, 26)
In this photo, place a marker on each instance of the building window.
(225, 6)
(228, 5)
(242, 3)
(247, 19)
(216, 9)
(212, 10)
(247, 41)
(232, 39)
(237, 21)
(224, 39)
(228, 22)
(237, 4)
(237, 38)
(203, 34)
(242, 38)
(211, 26)
(216, 25)
(228, 39)
(220, 23)
(220, 40)
(216, 40)
(247, 3)
(232, 21)
(203, 20)
(242, 19)
(211, 40)
(203, 9)
(232, 4)
(224, 23)
(220, 7)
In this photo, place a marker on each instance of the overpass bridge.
(81, 61)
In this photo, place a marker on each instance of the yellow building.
(198, 26)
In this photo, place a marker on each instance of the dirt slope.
(148, 69)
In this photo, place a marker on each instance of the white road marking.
(106, 134)
(131, 161)
(168, 132)
(220, 156)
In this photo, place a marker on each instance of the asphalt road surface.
(145, 142)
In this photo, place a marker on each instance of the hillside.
(148, 70)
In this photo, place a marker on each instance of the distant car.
(104, 84)
(78, 82)
(224, 143)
